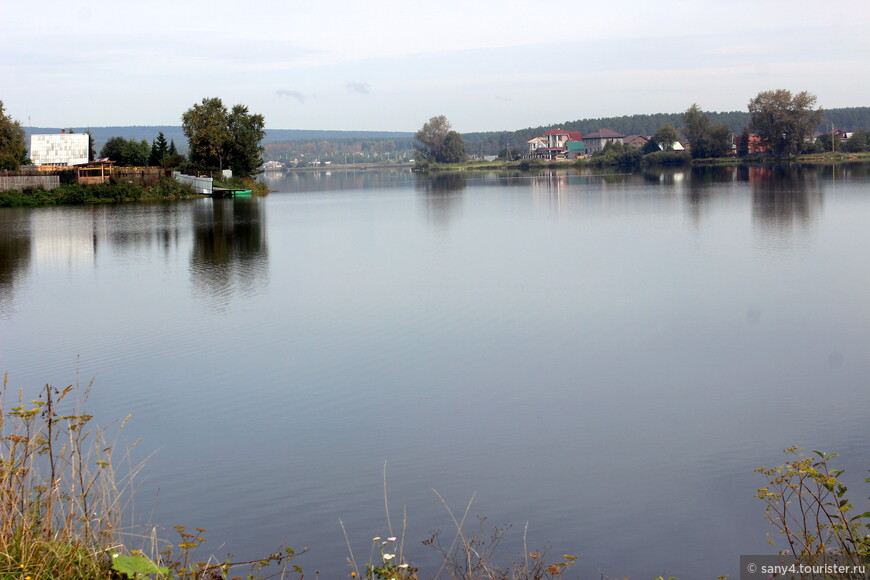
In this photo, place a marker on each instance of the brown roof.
(605, 134)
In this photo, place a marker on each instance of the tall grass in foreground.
(60, 496)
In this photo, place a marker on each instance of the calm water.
(605, 358)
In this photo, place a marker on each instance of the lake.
(601, 358)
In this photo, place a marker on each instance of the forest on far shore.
(286, 144)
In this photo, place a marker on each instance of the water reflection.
(229, 249)
(339, 180)
(784, 198)
(15, 254)
(442, 196)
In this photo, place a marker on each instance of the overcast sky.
(390, 65)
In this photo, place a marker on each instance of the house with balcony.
(554, 144)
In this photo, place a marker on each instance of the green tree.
(696, 129)
(435, 142)
(743, 143)
(159, 149)
(218, 138)
(665, 137)
(859, 141)
(784, 121)
(205, 126)
(719, 140)
(245, 144)
(453, 148)
(13, 150)
(126, 153)
(113, 149)
(92, 153)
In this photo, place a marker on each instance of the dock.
(219, 192)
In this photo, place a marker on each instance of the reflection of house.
(59, 149)
(635, 141)
(597, 140)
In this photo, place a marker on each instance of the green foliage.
(617, 154)
(137, 566)
(13, 150)
(705, 138)
(126, 153)
(858, 142)
(782, 121)
(743, 143)
(112, 192)
(668, 158)
(665, 137)
(437, 143)
(246, 134)
(159, 150)
(805, 501)
(218, 138)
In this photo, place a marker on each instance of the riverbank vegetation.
(110, 192)
(66, 487)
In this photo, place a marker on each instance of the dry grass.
(61, 498)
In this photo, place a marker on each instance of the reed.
(61, 497)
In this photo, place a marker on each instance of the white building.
(59, 148)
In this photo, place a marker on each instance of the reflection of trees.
(338, 180)
(14, 253)
(442, 194)
(702, 180)
(229, 247)
(782, 196)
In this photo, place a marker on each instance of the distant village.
(53, 150)
(559, 144)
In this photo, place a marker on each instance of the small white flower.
(403, 566)
(383, 543)
(115, 555)
(388, 557)
(376, 539)
(392, 539)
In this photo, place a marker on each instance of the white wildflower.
(376, 539)
(391, 539)
(403, 566)
(388, 557)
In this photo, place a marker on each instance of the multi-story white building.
(59, 148)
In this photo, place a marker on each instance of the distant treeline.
(174, 133)
(849, 119)
(336, 143)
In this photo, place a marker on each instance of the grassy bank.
(73, 193)
(65, 485)
(653, 159)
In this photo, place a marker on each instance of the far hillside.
(490, 143)
(297, 145)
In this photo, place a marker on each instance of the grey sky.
(390, 65)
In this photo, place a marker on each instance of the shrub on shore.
(110, 192)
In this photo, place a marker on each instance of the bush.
(806, 503)
(668, 158)
(529, 164)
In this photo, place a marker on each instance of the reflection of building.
(59, 149)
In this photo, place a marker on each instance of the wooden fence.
(20, 182)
